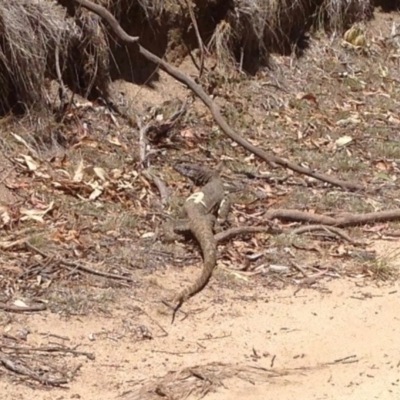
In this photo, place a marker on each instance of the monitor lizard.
(199, 217)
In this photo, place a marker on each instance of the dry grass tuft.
(244, 32)
(241, 33)
(88, 57)
(384, 268)
(37, 35)
(30, 31)
(338, 15)
(156, 8)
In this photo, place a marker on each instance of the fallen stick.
(330, 229)
(341, 220)
(80, 267)
(31, 308)
(19, 368)
(27, 350)
(198, 90)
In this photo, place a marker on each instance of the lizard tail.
(209, 250)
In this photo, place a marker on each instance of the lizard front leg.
(222, 214)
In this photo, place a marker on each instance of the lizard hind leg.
(175, 230)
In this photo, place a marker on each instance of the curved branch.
(198, 90)
(110, 19)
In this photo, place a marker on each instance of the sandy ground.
(340, 342)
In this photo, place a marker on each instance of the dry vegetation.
(48, 40)
(82, 183)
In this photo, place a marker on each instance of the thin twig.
(27, 350)
(142, 139)
(76, 266)
(308, 279)
(331, 229)
(20, 369)
(63, 91)
(198, 36)
(7, 174)
(241, 230)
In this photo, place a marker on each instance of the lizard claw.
(175, 309)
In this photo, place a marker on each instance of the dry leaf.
(383, 166)
(115, 141)
(348, 121)
(4, 215)
(101, 173)
(36, 214)
(98, 190)
(20, 303)
(383, 71)
(343, 141)
(148, 235)
(394, 120)
(309, 97)
(24, 142)
(78, 176)
(116, 173)
(341, 250)
(238, 275)
(30, 162)
(188, 133)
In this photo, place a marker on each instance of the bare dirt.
(338, 343)
(251, 333)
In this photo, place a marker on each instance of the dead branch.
(198, 90)
(110, 19)
(31, 308)
(17, 367)
(27, 350)
(341, 220)
(198, 36)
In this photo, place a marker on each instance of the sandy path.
(303, 331)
